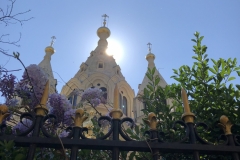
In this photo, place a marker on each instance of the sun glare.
(115, 49)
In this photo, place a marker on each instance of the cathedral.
(100, 70)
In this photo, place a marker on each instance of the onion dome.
(50, 49)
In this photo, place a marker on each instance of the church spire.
(103, 33)
(45, 64)
(150, 56)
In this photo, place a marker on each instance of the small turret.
(150, 57)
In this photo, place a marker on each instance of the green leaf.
(236, 69)
(235, 61)
(215, 62)
(238, 86)
(194, 40)
(150, 88)
(205, 56)
(149, 76)
(195, 57)
(196, 34)
(20, 156)
(157, 80)
(212, 70)
(9, 145)
(153, 70)
(201, 38)
(238, 72)
(132, 155)
(231, 78)
(216, 68)
(175, 71)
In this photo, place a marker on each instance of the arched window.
(124, 106)
(123, 103)
(105, 92)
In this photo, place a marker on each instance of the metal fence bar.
(74, 149)
(192, 139)
(154, 140)
(36, 131)
(140, 146)
(115, 150)
(231, 142)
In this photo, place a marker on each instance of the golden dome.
(103, 32)
(49, 49)
(150, 55)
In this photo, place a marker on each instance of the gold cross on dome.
(53, 40)
(104, 19)
(149, 47)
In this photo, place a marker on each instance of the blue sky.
(168, 24)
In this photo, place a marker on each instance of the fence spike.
(152, 121)
(116, 113)
(3, 113)
(41, 108)
(225, 124)
(187, 116)
(79, 118)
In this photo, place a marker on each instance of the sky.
(168, 25)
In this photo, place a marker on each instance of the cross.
(53, 39)
(104, 19)
(149, 47)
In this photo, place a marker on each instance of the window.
(73, 100)
(124, 106)
(100, 65)
(123, 103)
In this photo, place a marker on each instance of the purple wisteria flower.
(24, 92)
(63, 134)
(22, 126)
(61, 108)
(35, 82)
(68, 117)
(94, 96)
(7, 84)
(12, 102)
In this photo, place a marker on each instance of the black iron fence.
(190, 144)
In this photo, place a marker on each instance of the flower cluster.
(12, 102)
(94, 96)
(33, 79)
(7, 84)
(61, 108)
(64, 134)
(24, 92)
